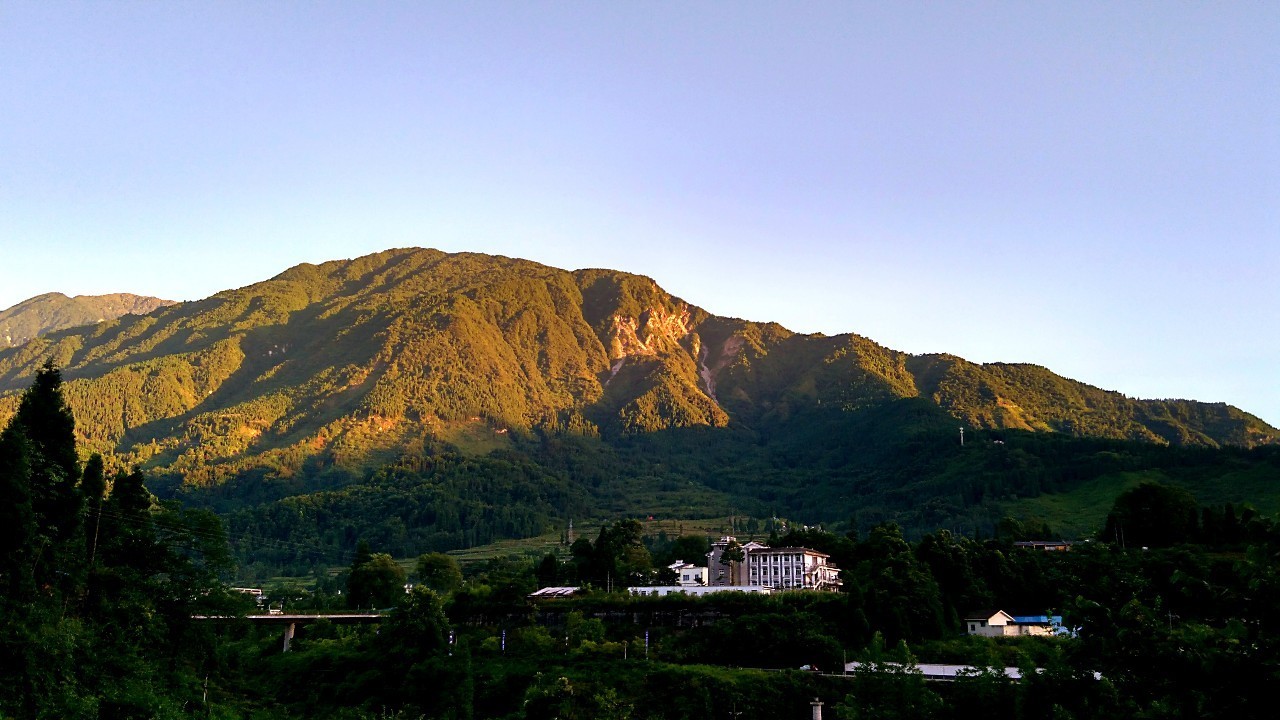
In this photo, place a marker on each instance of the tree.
(379, 582)
(619, 554)
(688, 548)
(52, 476)
(418, 627)
(732, 555)
(548, 570)
(439, 572)
(888, 684)
(900, 594)
(17, 517)
(1152, 515)
(118, 640)
(128, 533)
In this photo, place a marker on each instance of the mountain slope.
(428, 400)
(55, 311)
(351, 361)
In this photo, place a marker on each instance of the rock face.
(54, 311)
(656, 330)
(351, 362)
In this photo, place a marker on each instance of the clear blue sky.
(1093, 187)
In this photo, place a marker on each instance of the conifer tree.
(17, 518)
(54, 473)
(129, 540)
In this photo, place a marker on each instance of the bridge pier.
(288, 635)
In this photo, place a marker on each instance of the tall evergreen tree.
(17, 518)
(54, 474)
(129, 533)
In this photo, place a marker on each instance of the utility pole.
(961, 437)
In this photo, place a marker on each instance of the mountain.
(451, 398)
(55, 311)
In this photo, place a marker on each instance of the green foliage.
(886, 684)
(423, 339)
(439, 572)
(1153, 515)
(98, 617)
(376, 582)
(1187, 631)
(365, 397)
(418, 628)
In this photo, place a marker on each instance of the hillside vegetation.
(329, 389)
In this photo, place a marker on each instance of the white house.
(688, 574)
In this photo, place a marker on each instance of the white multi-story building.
(782, 568)
(791, 568)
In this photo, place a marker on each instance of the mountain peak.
(351, 361)
(54, 311)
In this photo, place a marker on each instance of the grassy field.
(1083, 511)
(537, 547)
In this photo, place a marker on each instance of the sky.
(1091, 187)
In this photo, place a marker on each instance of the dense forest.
(429, 401)
(116, 606)
(413, 403)
(101, 582)
(900, 463)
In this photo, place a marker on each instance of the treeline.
(346, 366)
(100, 582)
(454, 502)
(1173, 611)
(1182, 630)
(851, 471)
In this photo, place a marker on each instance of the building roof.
(700, 589)
(987, 615)
(788, 550)
(1062, 544)
(554, 592)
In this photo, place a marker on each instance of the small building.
(256, 593)
(688, 574)
(1002, 624)
(1046, 545)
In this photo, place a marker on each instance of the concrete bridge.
(290, 623)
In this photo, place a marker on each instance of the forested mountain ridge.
(368, 355)
(55, 311)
